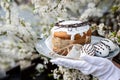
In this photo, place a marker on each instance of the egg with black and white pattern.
(101, 50)
(88, 49)
(109, 44)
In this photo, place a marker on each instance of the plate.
(44, 47)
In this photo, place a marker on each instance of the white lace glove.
(101, 68)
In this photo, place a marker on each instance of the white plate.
(45, 50)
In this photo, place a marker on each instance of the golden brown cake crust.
(62, 35)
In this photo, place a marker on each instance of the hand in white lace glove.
(101, 68)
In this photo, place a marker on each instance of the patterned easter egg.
(109, 44)
(88, 49)
(101, 50)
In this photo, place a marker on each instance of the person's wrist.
(112, 74)
(116, 74)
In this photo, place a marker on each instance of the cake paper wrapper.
(73, 53)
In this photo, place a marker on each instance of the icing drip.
(72, 36)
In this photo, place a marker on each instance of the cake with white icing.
(65, 33)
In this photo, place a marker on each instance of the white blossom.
(91, 11)
(101, 30)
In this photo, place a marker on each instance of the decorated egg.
(88, 49)
(101, 50)
(109, 44)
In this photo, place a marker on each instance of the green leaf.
(113, 34)
(114, 8)
(50, 75)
